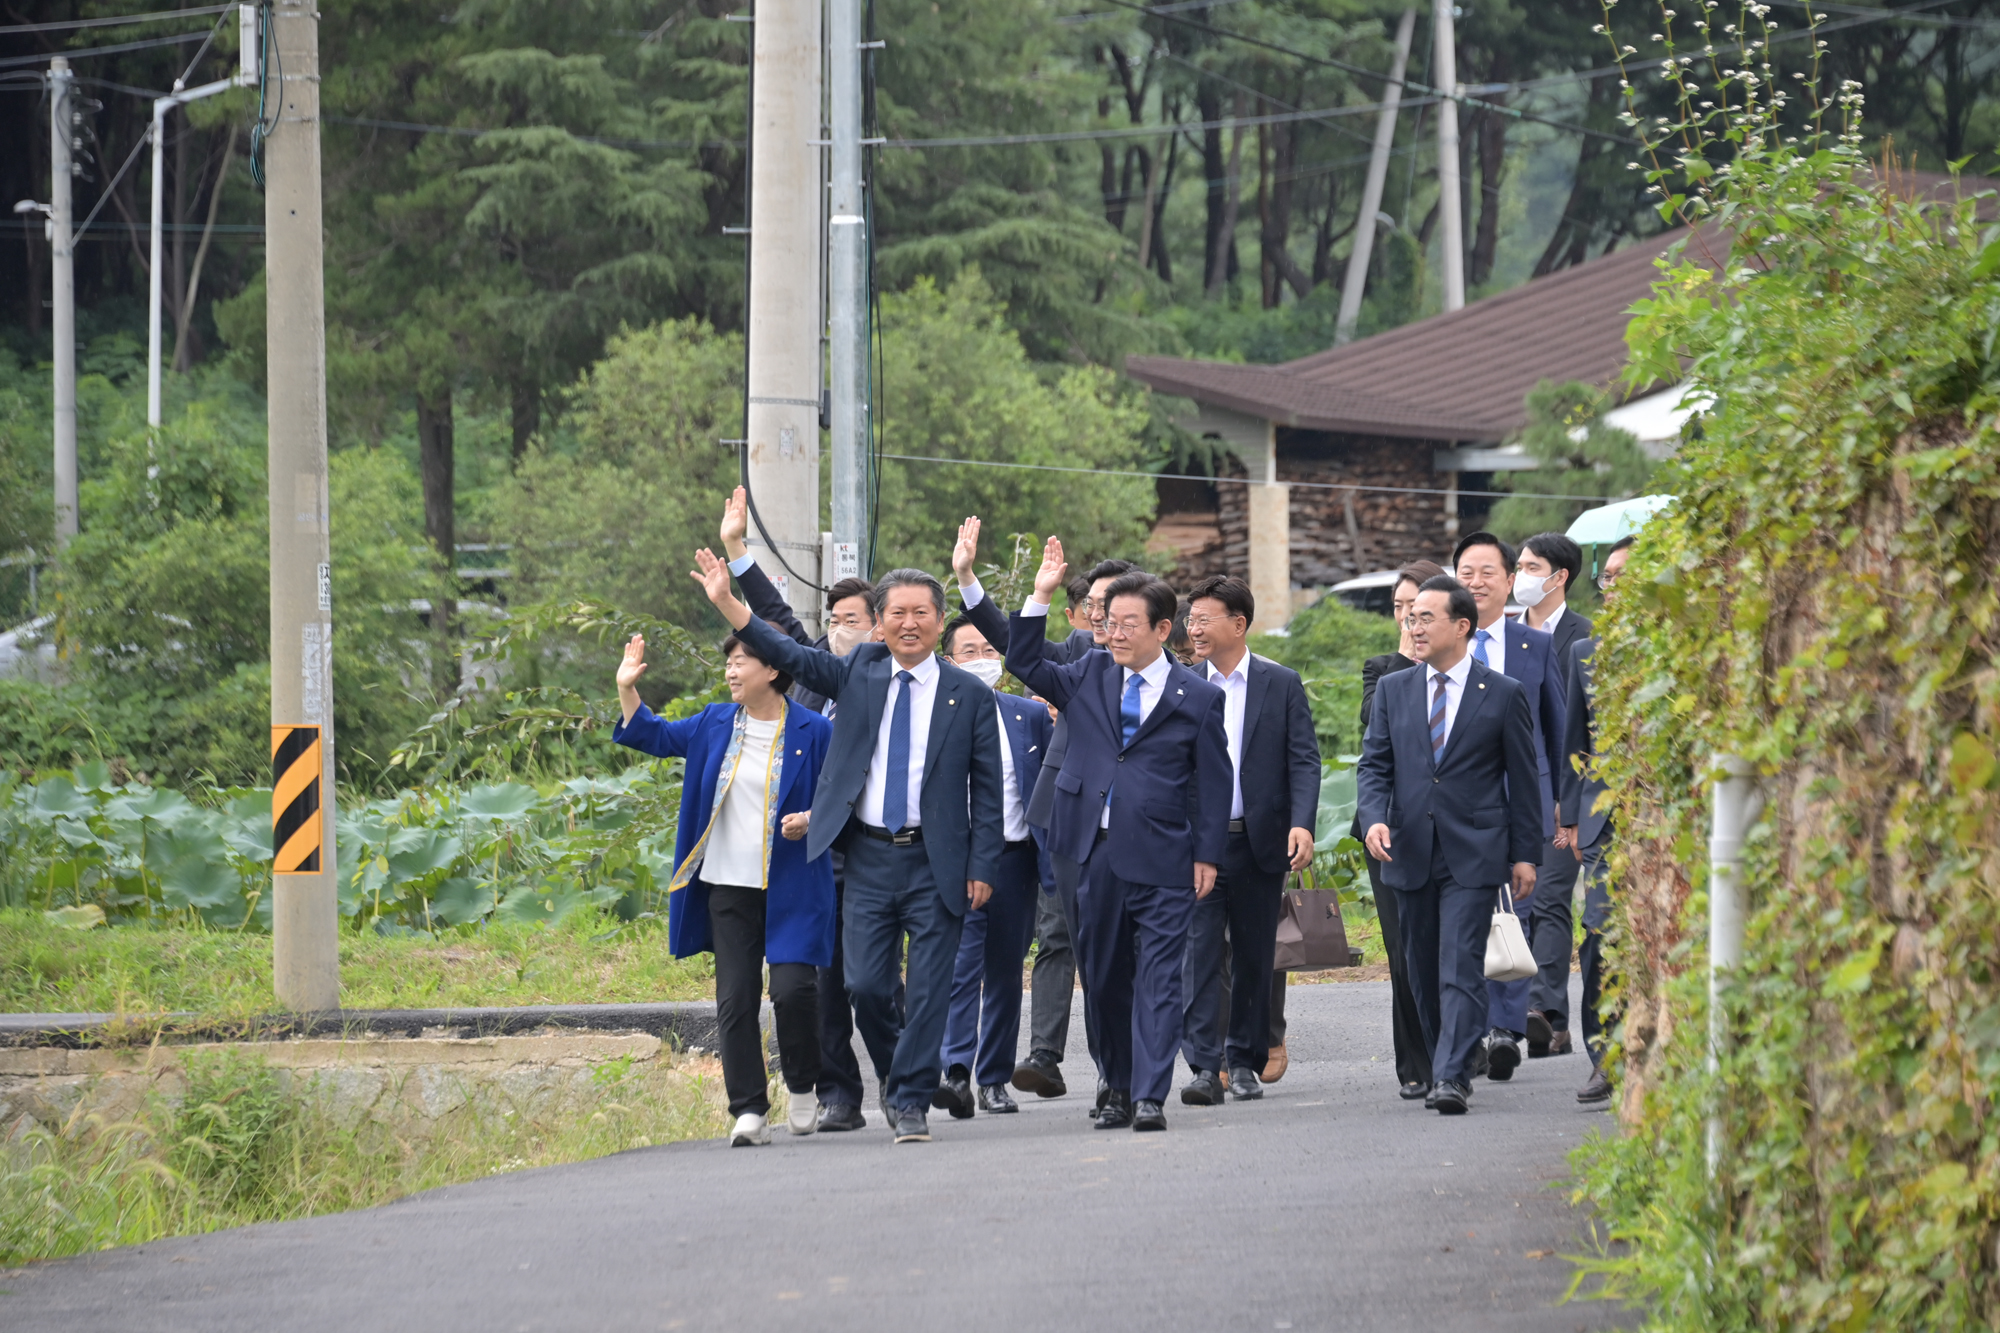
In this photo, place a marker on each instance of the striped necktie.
(1437, 716)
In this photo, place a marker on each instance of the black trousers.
(736, 919)
(1444, 943)
(1238, 919)
(1413, 1052)
(1596, 915)
(839, 1071)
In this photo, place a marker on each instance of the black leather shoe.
(1412, 1091)
(1243, 1085)
(1598, 1089)
(1431, 1096)
(1103, 1092)
(1453, 1099)
(996, 1100)
(1503, 1055)
(1478, 1067)
(1147, 1116)
(1540, 1033)
(1041, 1074)
(1204, 1090)
(837, 1116)
(954, 1094)
(1116, 1113)
(912, 1127)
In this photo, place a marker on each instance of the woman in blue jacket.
(742, 886)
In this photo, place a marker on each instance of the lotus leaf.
(505, 800)
(56, 798)
(460, 901)
(194, 881)
(416, 852)
(77, 918)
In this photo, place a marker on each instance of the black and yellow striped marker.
(297, 827)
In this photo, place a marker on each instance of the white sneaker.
(804, 1116)
(750, 1131)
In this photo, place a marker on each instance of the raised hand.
(713, 576)
(965, 552)
(1050, 576)
(634, 665)
(735, 523)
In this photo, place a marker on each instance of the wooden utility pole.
(787, 202)
(305, 909)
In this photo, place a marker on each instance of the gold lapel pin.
(952, 702)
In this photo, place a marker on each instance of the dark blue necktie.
(896, 777)
(1129, 710)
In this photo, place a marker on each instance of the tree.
(1579, 455)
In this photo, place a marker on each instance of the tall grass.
(240, 1147)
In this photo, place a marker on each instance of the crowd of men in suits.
(1135, 815)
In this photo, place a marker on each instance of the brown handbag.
(1311, 934)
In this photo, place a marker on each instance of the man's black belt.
(909, 837)
(1024, 842)
(1236, 826)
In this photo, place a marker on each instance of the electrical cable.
(267, 57)
(117, 21)
(179, 39)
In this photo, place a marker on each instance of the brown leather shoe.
(1276, 1065)
(1559, 1044)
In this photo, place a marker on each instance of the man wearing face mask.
(984, 1026)
(1485, 566)
(1548, 568)
(850, 623)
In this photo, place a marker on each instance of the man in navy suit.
(911, 793)
(1142, 814)
(1543, 579)
(984, 1028)
(850, 621)
(1273, 807)
(1446, 791)
(1485, 567)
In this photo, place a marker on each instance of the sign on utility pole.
(62, 254)
(847, 294)
(305, 909)
(787, 195)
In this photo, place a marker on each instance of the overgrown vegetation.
(243, 1145)
(1820, 601)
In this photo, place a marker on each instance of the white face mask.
(987, 669)
(844, 639)
(1529, 590)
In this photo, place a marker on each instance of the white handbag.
(1508, 957)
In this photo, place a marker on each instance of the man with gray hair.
(911, 792)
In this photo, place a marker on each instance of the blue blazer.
(798, 903)
(1532, 660)
(1026, 728)
(1173, 781)
(1479, 801)
(960, 800)
(989, 620)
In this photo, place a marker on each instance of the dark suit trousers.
(983, 1028)
(1444, 944)
(1240, 915)
(1596, 915)
(891, 893)
(1413, 1051)
(736, 921)
(1131, 940)
(1552, 934)
(1054, 978)
(1069, 877)
(839, 1071)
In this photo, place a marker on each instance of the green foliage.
(1580, 455)
(234, 1118)
(1326, 644)
(1820, 601)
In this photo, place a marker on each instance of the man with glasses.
(1141, 815)
(1448, 795)
(1589, 835)
(1054, 979)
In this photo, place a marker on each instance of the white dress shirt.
(1013, 815)
(923, 694)
(1496, 646)
(1454, 693)
(1235, 688)
(1549, 626)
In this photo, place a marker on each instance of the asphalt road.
(1331, 1204)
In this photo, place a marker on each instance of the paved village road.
(1331, 1204)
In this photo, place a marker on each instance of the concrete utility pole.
(1451, 216)
(62, 253)
(1356, 282)
(305, 912)
(786, 191)
(847, 295)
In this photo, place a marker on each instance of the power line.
(118, 21)
(1245, 481)
(176, 40)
